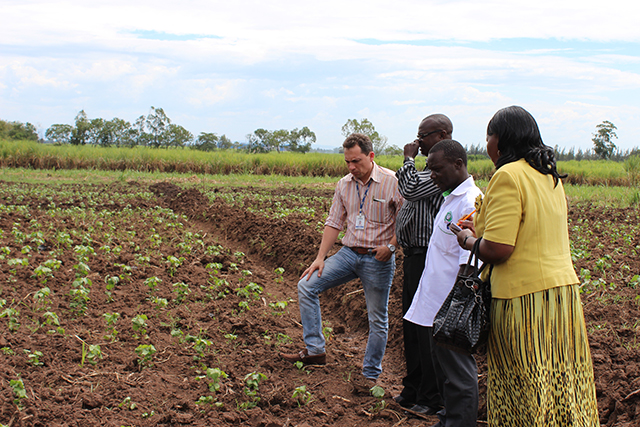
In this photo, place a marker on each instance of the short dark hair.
(452, 150)
(519, 138)
(359, 139)
(443, 122)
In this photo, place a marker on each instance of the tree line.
(156, 130)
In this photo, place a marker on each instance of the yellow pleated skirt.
(539, 363)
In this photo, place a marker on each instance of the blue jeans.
(376, 277)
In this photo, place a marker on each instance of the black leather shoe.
(423, 410)
(404, 402)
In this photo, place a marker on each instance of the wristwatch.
(391, 247)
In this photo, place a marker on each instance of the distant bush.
(18, 131)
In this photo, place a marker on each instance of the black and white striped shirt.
(423, 199)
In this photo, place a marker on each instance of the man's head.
(432, 129)
(358, 153)
(448, 164)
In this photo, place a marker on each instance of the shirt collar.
(462, 188)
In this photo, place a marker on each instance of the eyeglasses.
(424, 135)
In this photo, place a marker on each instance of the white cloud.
(290, 63)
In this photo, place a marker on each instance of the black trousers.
(420, 385)
(457, 378)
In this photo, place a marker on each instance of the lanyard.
(365, 193)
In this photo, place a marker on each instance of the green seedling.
(42, 273)
(215, 267)
(215, 375)
(327, 331)
(52, 319)
(278, 308)
(41, 298)
(174, 263)
(111, 318)
(152, 283)
(252, 383)
(91, 353)
(79, 299)
(19, 392)
(12, 318)
(128, 404)
(34, 357)
(7, 351)
(112, 282)
(199, 345)
(4, 252)
(139, 325)
(145, 355)
(160, 302)
(378, 393)
(302, 396)
(279, 272)
(181, 290)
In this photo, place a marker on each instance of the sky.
(231, 67)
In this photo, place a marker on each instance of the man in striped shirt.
(366, 201)
(413, 230)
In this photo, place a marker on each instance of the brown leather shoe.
(304, 357)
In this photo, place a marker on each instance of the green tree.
(120, 132)
(603, 139)
(225, 143)
(176, 136)
(157, 123)
(96, 134)
(21, 131)
(80, 133)
(59, 133)
(259, 141)
(207, 141)
(140, 135)
(366, 127)
(301, 140)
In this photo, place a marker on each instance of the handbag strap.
(474, 257)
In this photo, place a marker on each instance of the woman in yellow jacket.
(539, 363)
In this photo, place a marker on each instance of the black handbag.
(462, 323)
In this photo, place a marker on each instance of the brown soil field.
(216, 302)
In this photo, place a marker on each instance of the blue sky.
(232, 67)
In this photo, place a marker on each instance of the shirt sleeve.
(414, 185)
(337, 212)
(503, 207)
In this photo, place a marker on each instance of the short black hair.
(361, 140)
(519, 138)
(451, 149)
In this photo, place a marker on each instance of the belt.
(416, 250)
(360, 251)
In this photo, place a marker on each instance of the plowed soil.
(231, 244)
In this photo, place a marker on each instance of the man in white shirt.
(456, 373)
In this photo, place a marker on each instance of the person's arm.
(413, 185)
(329, 237)
(488, 251)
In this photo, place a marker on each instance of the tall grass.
(29, 154)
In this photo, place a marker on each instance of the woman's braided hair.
(519, 138)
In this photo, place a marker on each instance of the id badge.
(360, 221)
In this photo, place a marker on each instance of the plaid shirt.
(380, 204)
